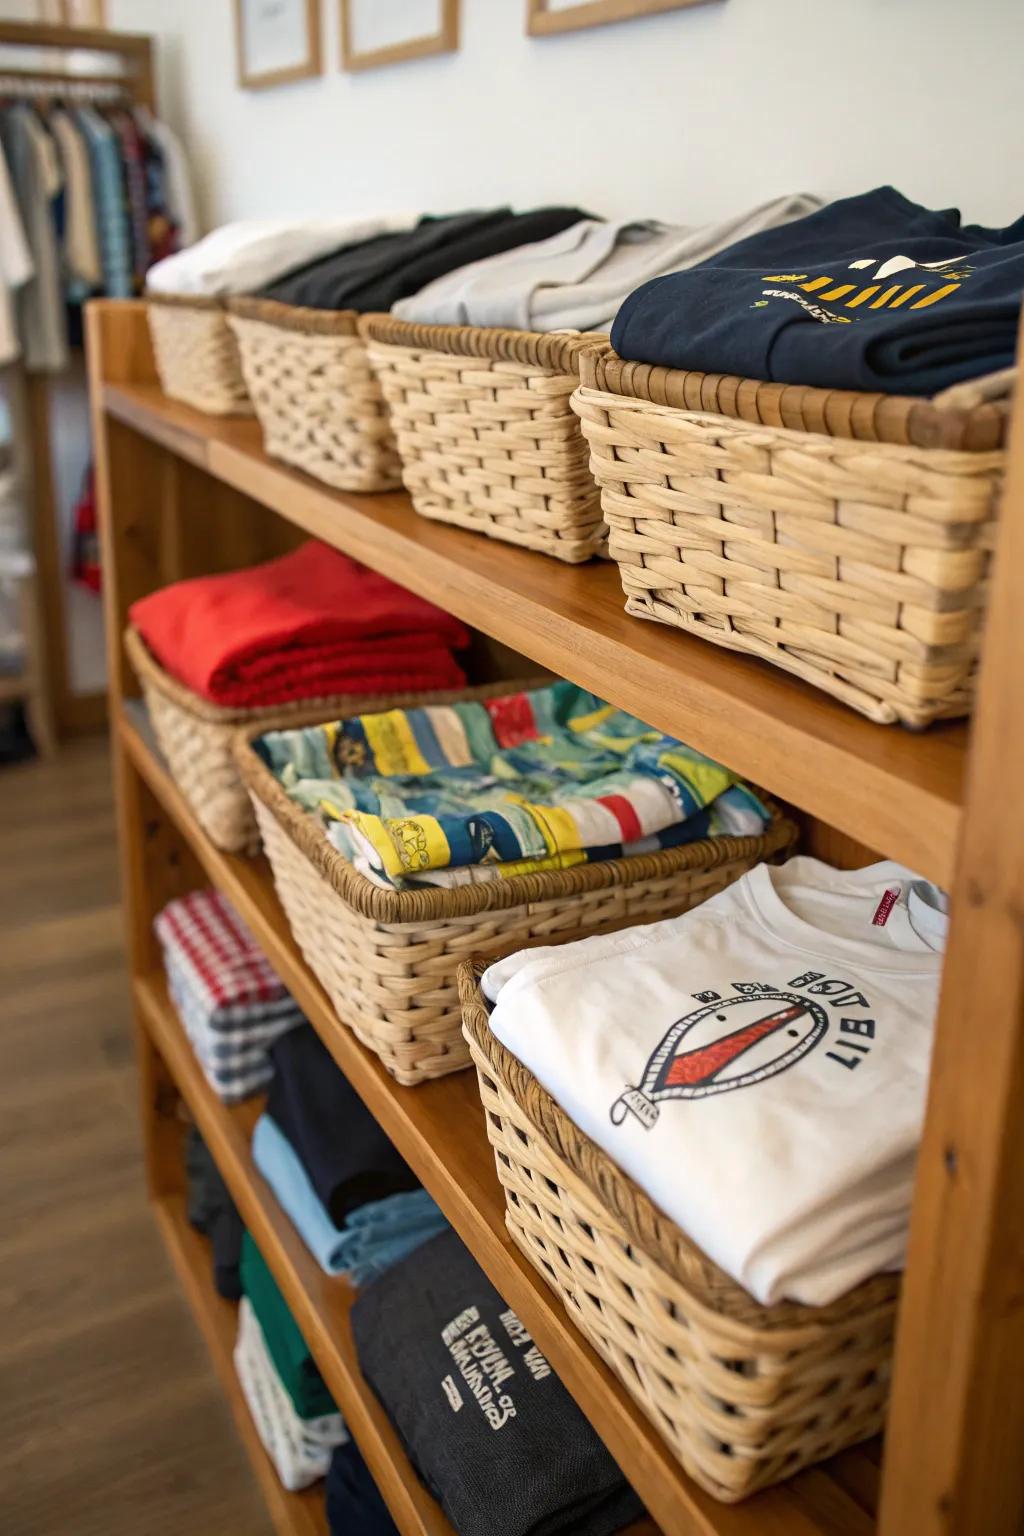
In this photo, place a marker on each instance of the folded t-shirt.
(577, 279)
(375, 275)
(872, 293)
(353, 1500)
(487, 1424)
(297, 1371)
(347, 1156)
(212, 1211)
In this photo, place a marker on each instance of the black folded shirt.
(353, 1500)
(212, 1211)
(871, 293)
(379, 272)
(349, 1159)
(488, 1426)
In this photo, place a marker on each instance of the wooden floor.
(111, 1420)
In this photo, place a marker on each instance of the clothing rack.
(129, 78)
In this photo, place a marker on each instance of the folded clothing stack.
(376, 274)
(212, 1212)
(229, 998)
(295, 1367)
(758, 1065)
(871, 293)
(450, 795)
(486, 1423)
(241, 257)
(305, 626)
(576, 279)
(357, 1207)
(353, 1500)
(299, 1448)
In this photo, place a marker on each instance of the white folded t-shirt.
(245, 256)
(758, 1065)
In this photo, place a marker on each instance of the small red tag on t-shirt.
(885, 906)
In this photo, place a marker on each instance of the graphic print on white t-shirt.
(738, 1041)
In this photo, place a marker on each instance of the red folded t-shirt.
(307, 625)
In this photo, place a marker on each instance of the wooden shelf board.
(894, 790)
(439, 1129)
(320, 1303)
(293, 1514)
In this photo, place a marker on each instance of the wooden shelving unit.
(184, 493)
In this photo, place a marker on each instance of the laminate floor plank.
(112, 1422)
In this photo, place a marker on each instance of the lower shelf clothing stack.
(212, 1212)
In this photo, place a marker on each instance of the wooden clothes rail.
(72, 713)
(181, 494)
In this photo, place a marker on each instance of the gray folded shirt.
(577, 279)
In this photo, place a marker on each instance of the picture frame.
(276, 42)
(542, 20)
(356, 15)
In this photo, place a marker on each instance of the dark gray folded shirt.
(488, 1426)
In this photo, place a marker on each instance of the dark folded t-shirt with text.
(487, 1424)
(871, 293)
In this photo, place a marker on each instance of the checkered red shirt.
(210, 943)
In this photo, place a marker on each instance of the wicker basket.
(743, 1394)
(844, 537)
(488, 438)
(317, 398)
(196, 740)
(387, 959)
(196, 354)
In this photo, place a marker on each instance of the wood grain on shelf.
(320, 1303)
(293, 1514)
(439, 1129)
(888, 788)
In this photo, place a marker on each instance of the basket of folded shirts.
(487, 1424)
(478, 370)
(231, 1002)
(833, 523)
(196, 353)
(318, 400)
(262, 648)
(195, 349)
(402, 842)
(706, 1130)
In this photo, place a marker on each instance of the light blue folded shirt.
(373, 1238)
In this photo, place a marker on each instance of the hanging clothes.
(16, 267)
(133, 166)
(38, 179)
(179, 198)
(113, 226)
(81, 243)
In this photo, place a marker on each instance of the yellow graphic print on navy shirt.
(921, 284)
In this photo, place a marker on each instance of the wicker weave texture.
(197, 357)
(491, 443)
(860, 567)
(744, 1396)
(319, 403)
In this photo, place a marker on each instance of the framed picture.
(376, 32)
(276, 41)
(544, 17)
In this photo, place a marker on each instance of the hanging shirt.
(873, 293)
(757, 1065)
(35, 173)
(578, 278)
(16, 267)
(81, 245)
(177, 180)
(133, 168)
(113, 228)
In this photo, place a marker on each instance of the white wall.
(684, 116)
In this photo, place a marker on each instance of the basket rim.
(907, 421)
(294, 317)
(431, 903)
(557, 352)
(199, 301)
(660, 1238)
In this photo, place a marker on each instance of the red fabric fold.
(309, 624)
